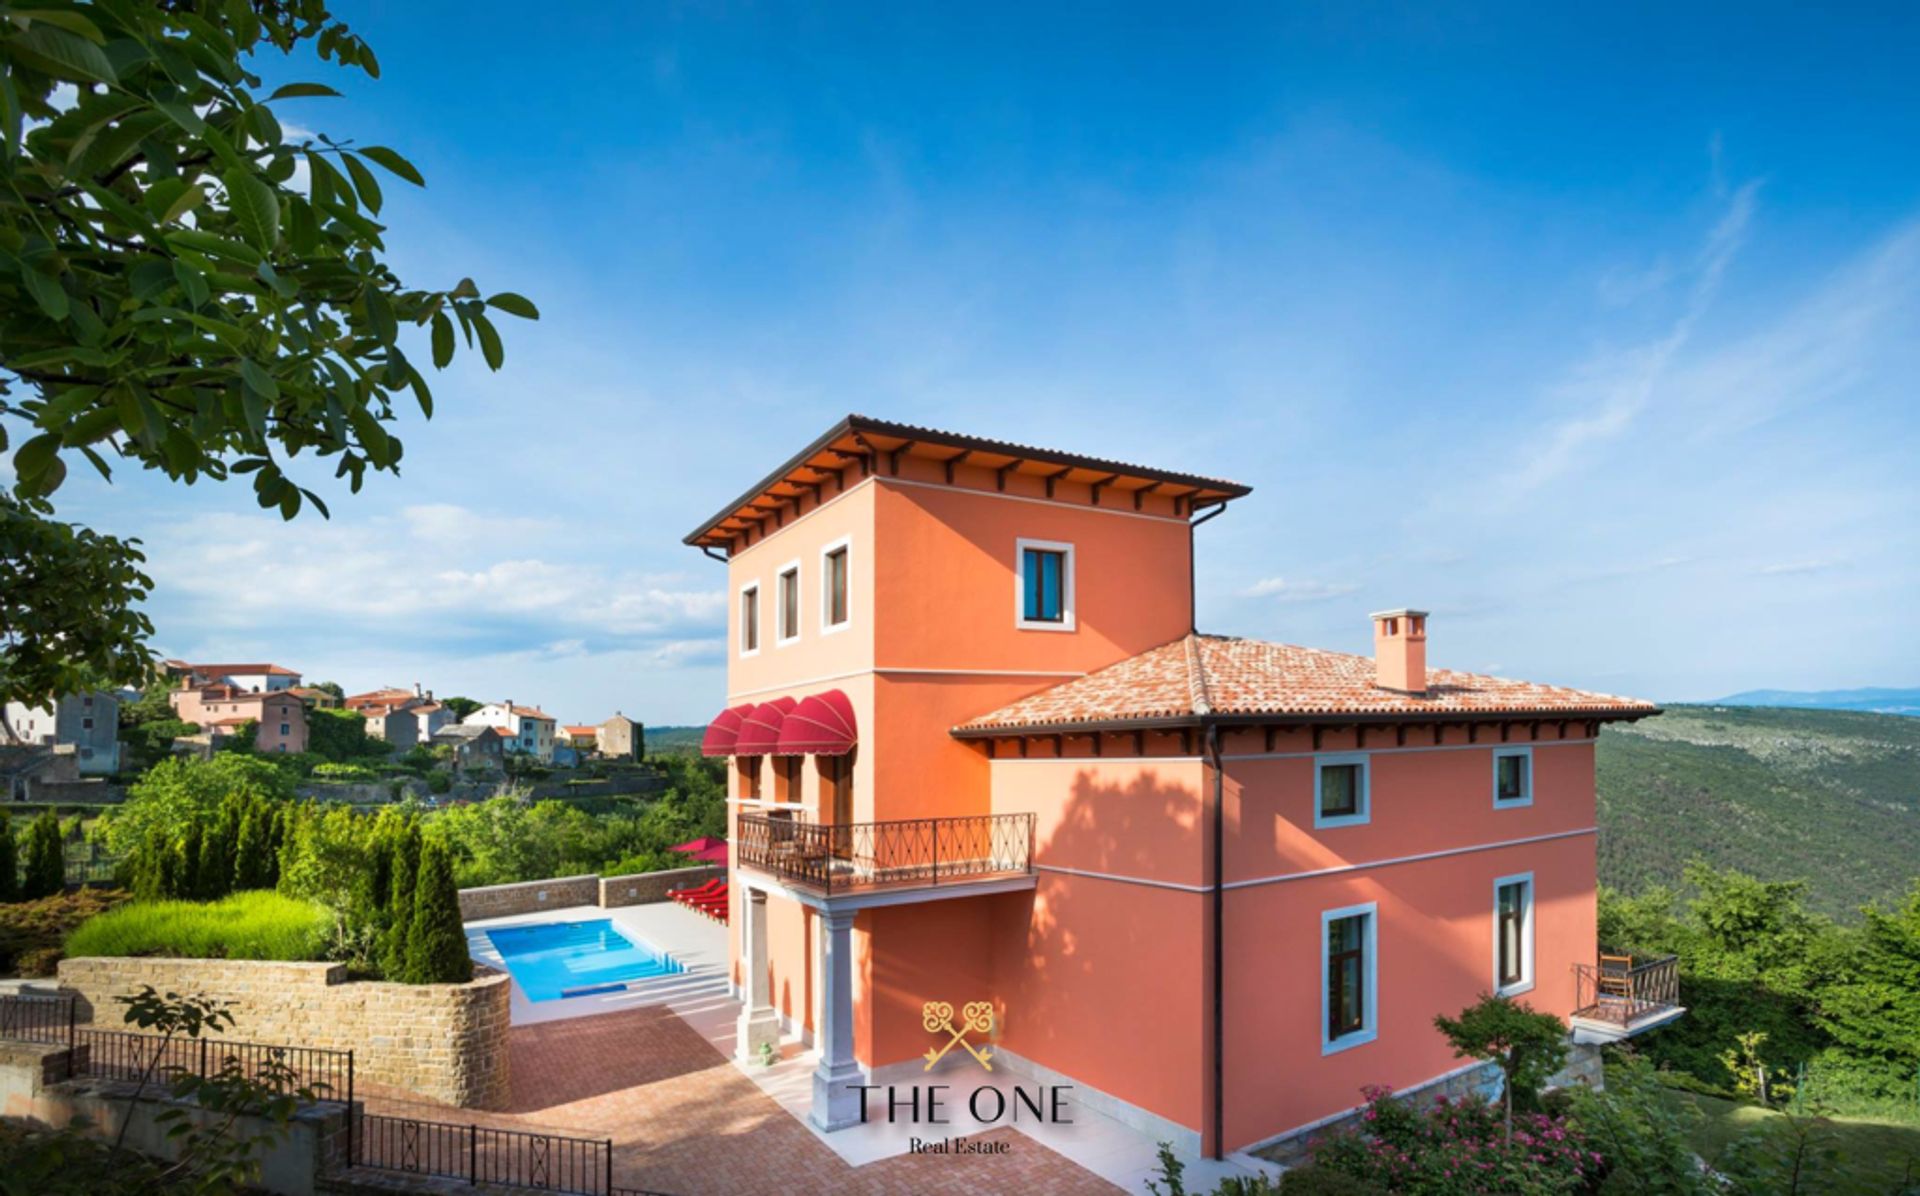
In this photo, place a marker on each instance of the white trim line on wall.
(1274, 880)
(1445, 747)
(1411, 859)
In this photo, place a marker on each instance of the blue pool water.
(551, 960)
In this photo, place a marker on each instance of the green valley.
(1831, 797)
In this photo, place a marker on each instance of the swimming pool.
(551, 960)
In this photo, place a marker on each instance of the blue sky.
(1593, 334)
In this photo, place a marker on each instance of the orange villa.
(980, 753)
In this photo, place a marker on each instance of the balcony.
(1624, 995)
(863, 857)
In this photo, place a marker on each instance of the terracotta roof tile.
(1212, 674)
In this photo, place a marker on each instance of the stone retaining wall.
(504, 901)
(643, 888)
(445, 1042)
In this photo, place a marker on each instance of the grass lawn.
(259, 925)
(1878, 1157)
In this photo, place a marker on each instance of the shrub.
(1527, 1046)
(330, 771)
(46, 858)
(1321, 1181)
(9, 861)
(436, 940)
(243, 926)
(31, 931)
(1457, 1148)
(1647, 1139)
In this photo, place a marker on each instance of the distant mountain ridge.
(1870, 701)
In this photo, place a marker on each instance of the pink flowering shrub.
(1459, 1148)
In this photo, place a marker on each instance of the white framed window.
(1349, 977)
(750, 619)
(1043, 585)
(836, 586)
(1513, 934)
(1512, 777)
(1342, 790)
(786, 604)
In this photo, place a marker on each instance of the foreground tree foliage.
(172, 294)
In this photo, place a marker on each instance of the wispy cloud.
(1796, 568)
(1280, 589)
(1612, 389)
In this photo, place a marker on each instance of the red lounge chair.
(702, 890)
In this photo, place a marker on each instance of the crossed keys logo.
(976, 1018)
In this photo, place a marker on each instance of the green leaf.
(255, 207)
(364, 183)
(209, 243)
(62, 54)
(47, 292)
(37, 455)
(489, 341)
(514, 305)
(192, 282)
(290, 91)
(72, 22)
(395, 163)
(327, 182)
(187, 201)
(442, 340)
(258, 378)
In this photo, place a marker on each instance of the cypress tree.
(436, 941)
(187, 881)
(406, 865)
(251, 869)
(9, 860)
(46, 858)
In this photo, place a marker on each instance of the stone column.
(836, 1103)
(758, 1023)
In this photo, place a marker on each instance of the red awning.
(723, 730)
(821, 725)
(760, 733)
(713, 855)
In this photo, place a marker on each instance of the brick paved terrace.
(685, 1120)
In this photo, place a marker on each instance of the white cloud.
(1281, 590)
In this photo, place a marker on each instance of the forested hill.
(1831, 797)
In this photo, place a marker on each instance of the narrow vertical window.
(789, 599)
(1513, 934)
(750, 620)
(833, 587)
(1348, 970)
(1044, 584)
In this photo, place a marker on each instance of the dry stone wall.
(506, 901)
(444, 1042)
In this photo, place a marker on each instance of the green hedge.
(258, 925)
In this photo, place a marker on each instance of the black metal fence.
(37, 1017)
(474, 1154)
(835, 857)
(479, 1154)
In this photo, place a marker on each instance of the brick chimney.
(1400, 650)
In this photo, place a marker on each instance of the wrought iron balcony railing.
(840, 858)
(1623, 989)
